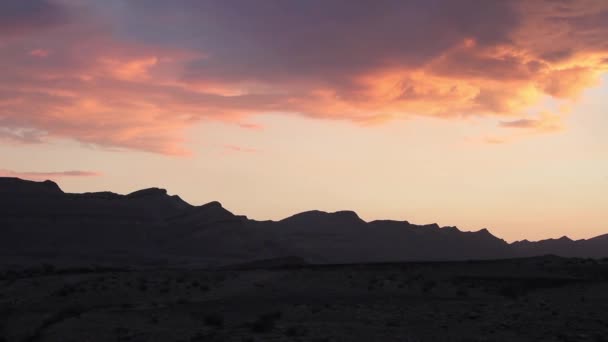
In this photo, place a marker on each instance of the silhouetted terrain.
(150, 267)
(148, 227)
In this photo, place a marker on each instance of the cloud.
(22, 17)
(248, 125)
(495, 140)
(47, 175)
(235, 148)
(20, 136)
(521, 123)
(39, 53)
(545, 123)
(134, 75)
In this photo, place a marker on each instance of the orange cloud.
(140, 85)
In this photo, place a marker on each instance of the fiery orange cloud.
(140, 85)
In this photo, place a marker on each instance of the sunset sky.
(469, 113)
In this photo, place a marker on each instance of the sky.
(478, 114)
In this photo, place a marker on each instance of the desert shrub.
(66, 290)
(428, 286)
(198, 337)
(211, 336)
(393, 322)
(67, 313)
(48, 268)
(510, 291)
(323, 339)
(462, 292)
(214, 320)
(294, 331)
(121, 330)
(182, 301)
(266, 322)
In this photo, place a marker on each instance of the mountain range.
(40, 222)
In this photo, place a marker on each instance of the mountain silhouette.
(38, 221)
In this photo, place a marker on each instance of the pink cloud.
(39, 53)
(47, 175)
(235, 148)
(253, 126)
(141, 84)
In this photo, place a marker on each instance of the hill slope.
(40, 221)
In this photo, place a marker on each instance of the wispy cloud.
(495, 140)
(252, 126)
(235, 148)
(47, 175)
(41, 53)
(545, 123)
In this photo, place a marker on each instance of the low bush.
(214, 320)
(266, 322)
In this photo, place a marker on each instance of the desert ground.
(533, 299)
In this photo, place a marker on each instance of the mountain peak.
(22, 186)
(347, 214)
(212, 204)
(318, 215)
(452, 229)
(149, 192)
(484, 232)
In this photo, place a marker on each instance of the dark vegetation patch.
(265, 323)
(513, 287)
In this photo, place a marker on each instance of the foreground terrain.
(534, 299)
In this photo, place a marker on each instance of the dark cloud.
(23, 16)
(332, 41)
